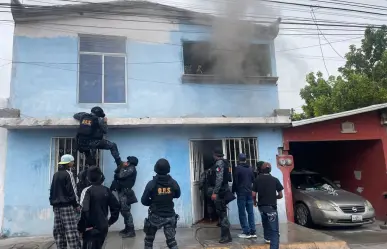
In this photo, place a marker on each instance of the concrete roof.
(339, 115)
(31, 123)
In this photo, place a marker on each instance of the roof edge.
(339, 115)
(69, 123)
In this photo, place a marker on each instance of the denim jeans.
(270, 225)
(245, 203)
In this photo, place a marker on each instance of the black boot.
(130, 233)
(124, 231)
(225, 236)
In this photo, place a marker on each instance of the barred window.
(67, 145)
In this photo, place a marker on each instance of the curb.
(302, 245)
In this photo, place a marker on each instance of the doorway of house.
(201, 158)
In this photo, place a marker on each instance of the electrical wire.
(314, 17)
(319, 40)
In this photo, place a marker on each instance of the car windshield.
(310, 181)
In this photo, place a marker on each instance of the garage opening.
(339, 172)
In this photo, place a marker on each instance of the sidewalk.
(292, 237)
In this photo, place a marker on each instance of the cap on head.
(242, 157)
(218, 152)
(66, 159)
(162, 167)
(98, 111)
(132, 160)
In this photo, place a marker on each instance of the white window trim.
(103, 73)
(54, 159)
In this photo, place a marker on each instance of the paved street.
(370, 236)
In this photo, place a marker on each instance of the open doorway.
(201, 159)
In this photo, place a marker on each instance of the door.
(196, 161)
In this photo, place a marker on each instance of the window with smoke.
(206, 59)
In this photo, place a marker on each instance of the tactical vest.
(88, 126)
(226, 173)
(162, 197)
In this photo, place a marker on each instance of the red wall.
(340, 161)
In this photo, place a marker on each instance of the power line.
(149, 81)
(319, 40)
(314, 16)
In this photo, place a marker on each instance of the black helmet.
(98, 111)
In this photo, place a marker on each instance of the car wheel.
(302, 215)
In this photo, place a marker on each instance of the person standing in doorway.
(269, 190)
(243, 183)
(64, 199)
(219, 179)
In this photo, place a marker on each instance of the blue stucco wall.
(27, 210)
(45, 84)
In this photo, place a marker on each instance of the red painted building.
(349, 147)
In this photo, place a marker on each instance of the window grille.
(67, 145)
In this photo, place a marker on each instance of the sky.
(297, 52)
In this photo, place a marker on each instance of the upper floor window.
(102, 69)
(203, 58)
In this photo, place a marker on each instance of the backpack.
(88, 124)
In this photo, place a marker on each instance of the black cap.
(162, 167)
(132, 160)
(98, 111)
(242, 157)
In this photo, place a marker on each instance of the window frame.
(210, 78)
(102, 54)
(54, 156)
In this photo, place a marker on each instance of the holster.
(147, 225)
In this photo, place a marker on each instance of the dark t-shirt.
(266, 186)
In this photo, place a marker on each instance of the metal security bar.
(248, 146)
(67, 145)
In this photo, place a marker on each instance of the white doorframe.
(192, 173)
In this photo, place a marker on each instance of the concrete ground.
(292, 236)
(369, 236)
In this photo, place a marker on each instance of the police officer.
(124, 180)
(219, 181)
(158, 196)
(92, 128)
(207, 191)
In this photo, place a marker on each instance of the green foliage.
(362, 80)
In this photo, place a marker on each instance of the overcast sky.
(303, 49)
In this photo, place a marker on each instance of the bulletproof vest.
(88, 126)
(226, 173)
(130, 180)
(162, 195)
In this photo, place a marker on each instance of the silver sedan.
(319, 201)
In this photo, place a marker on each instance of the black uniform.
(207, 191)
(219, 179)
(124, 180)
(92, 128)
(158, 195)
(96, 200)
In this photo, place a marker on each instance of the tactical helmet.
(98, 111)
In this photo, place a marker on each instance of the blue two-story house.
(171, 87)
